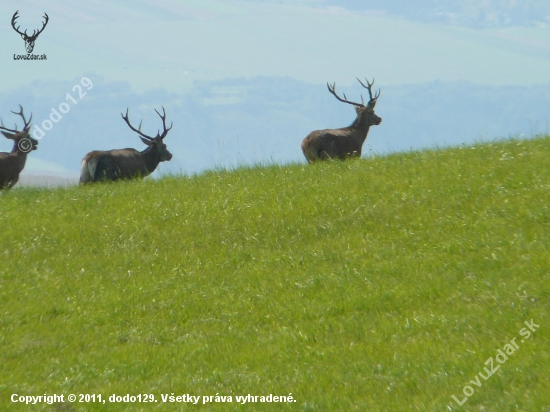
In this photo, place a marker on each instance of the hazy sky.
(172, 44)
(175, 46)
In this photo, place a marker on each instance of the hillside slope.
(383, 284)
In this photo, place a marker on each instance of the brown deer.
(11, 164)
(345, 142)
(29, 40)
(127, 163)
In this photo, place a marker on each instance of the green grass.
(375, 285)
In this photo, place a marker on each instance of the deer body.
(13, 163)
(118, 164)
(345, 142)
(126, 163)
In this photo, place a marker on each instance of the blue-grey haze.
(473, 13)
(244, 80)
(264, 119)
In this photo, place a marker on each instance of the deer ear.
(9, 135)
(147, 142)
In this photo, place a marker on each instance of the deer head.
(29, 40)
(365, 114)
(23, 141)
(155, 144)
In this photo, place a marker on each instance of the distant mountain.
(264, 119)
(45, 181)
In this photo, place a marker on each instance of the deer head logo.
(29, 40)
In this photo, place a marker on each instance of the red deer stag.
(347, 141)
(127, 163)
(11, 164)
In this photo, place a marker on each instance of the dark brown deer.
(348, 141)
(11, 164)
(29, 40)
(127, 163)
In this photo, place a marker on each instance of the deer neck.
(20, 156)
(360, 127)
(151, 158)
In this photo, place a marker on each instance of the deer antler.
(165, 132)
(138, 131)
(13, 19)
(34, 33)
(158, 136)
(332, 89)
(369, 88)
(20, 113)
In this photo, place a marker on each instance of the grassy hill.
(383, 284)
